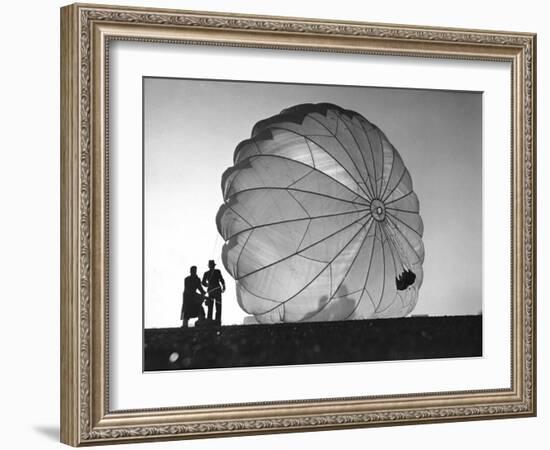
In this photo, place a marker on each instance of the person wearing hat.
(215, 284)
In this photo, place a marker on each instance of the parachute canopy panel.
(320, 220)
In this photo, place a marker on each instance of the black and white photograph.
(303, 224)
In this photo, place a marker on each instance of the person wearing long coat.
(193, 297)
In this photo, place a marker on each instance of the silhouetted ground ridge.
(312, 343)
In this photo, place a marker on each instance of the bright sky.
(191, 128)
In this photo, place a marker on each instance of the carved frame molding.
(86, 31)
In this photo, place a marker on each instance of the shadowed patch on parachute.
(405, 280)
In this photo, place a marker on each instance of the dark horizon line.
(414, 316)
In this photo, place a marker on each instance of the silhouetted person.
(215, 284)
(192, 300)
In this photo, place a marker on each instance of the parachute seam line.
(390, 243)
(347, 293)
(356, 307)
(298, 180)
(380, 311)
(366, 133)
(391, 227)
(405, 239)
(404, 210)
(319, 274)
(310, 152)
(328, 265)
(312, 259)
(397, 199)
(360, 152)
(237, 175)
(330, 281)
(391, 171)
(359, 303)
(235, 157)
(391, 240)
(404, 223)
(383, 274)
(242, 250)
(276, 201)
(254, 227)
(333, 135)
(346, 275)
(257, 295)
(257, 145)
(231, 208)
(304, 235)
(382, 156)
(297, 201)
(364, 161)
(314, 168)
(330, 156)
(306, 248)
(367, 275)
(296, 190)
(396, 184)
(348, 271)
(396, 295)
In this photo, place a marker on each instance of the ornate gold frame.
(86, 31)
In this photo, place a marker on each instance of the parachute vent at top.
(320, 220)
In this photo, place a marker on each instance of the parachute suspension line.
(389, 240)
(383, 272)
(407, 225)
(404, 237)
(390, 234)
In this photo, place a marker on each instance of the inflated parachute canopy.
(320, 220)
